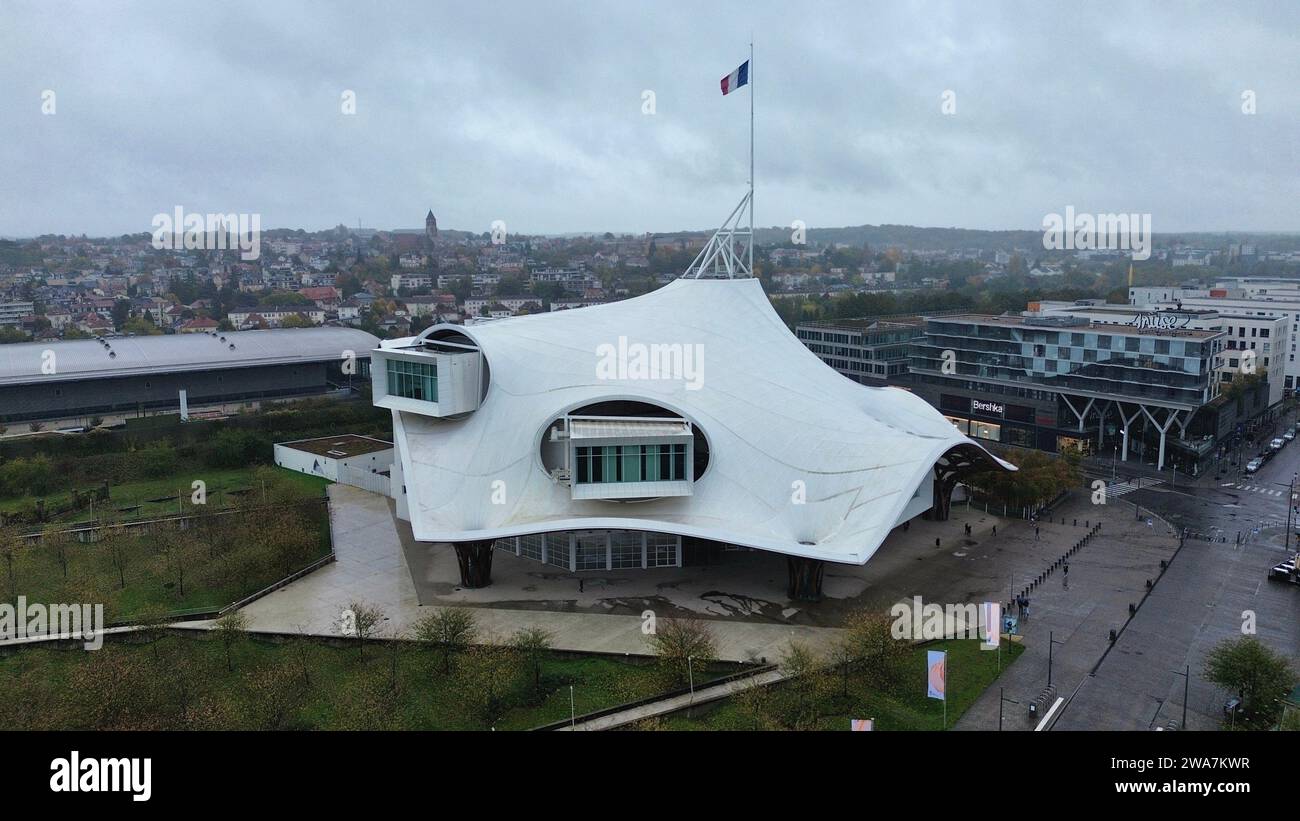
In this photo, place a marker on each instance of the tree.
(230, 630)
(487, 673)
(273, 693)
(10, 544)
(806, 684)
(450, 629)
(681, 645)
(533, 644)
(59, 541)
(879, 656)
(152, 622)
(1259, 676)
(365, 620)
(117, 551)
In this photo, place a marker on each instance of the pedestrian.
(1036, 534)
(995, 530)
(1026, 608)
(580, 585)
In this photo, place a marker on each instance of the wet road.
(1212, 587)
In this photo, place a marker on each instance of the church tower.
(431, 227)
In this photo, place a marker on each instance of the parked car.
(1289, 435)
(1254, 465)
(1277, 444)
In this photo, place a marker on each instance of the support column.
(475, 560)
(1170, 416)
(944, 484)
(805, 579)
(1128, 424)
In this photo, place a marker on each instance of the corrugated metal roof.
(27, 362)
(613, 428)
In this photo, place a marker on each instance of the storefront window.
(985, 430)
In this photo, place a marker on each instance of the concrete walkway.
(371, 569)
(672, 705)
(1108, 574)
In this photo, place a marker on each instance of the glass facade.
(413, 380)
(624, 549)
(630, 463)
(557, 549)
(530, 547)
(590, 551)
(597, 549)
(1133, 365)
(876, 351)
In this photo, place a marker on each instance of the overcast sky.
(532, 113)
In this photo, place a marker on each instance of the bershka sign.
(987, 408)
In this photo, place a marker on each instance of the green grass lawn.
(970, 671)
(219, 484)
(182, 681)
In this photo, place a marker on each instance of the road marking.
(1050, 713)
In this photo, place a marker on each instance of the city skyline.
(535, 117)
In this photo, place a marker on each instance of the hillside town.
(398, 282)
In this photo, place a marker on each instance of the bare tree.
(231, 629)
(9, 542)
(533, 644)
(683, 646)
(365, 620)
(450, 629)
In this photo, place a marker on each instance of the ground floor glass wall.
(598, 549)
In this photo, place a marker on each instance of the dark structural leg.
(475, 560)
(805, 578)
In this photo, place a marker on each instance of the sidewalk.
(676, 703)
(1108, 574)
(371, 568)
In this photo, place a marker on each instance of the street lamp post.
(690, 675)
(1187, 677)
(1290, 506)
(1001, 701)
(1051, 642)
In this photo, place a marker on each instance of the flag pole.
(751, 154)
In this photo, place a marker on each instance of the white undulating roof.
(776, 418)
(88, 358)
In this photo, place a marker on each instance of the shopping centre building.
(1169, 387)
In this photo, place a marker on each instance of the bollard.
(1132, 608)
(1112, 635)
(1149, 585)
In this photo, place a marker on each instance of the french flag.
(736, 79)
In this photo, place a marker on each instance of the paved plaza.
(743, 596)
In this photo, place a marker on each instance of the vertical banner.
(992, 616)
(862, 725)
(936, 663)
